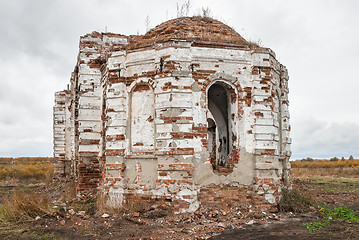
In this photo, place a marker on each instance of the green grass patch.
(341, 185)
(340, 213)
(39, 235)
(315, 226)
(329, 215)
(21, 231)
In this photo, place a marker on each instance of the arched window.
(142, 116)
(219, 124)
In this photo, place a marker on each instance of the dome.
(199, 30)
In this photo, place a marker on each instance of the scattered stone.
(105, 215)
(142, 221)
(221, 224)
(81, 213)
(136, 214)
(62, 212)
(62, 222)
(225, 212)
(37, 218)
(71, 211)
(250, 222)
(275, 217)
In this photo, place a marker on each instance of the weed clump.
(21, 206)
(294, 201)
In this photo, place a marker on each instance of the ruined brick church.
(189, 113)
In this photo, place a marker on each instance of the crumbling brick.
(189, 113)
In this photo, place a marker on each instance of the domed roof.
(200, 30)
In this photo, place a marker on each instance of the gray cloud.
(316, 40)
(315, 138)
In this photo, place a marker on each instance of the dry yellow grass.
(354, 163)
(26, 168)
(324, 172)
(21, 206)
(308, 168)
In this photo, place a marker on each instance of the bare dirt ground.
(332, 192)
(70, 221)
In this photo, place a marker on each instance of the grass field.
(26, 168)
(324, 204)
(325, 168)
(323, 163)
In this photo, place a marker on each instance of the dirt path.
(292, 228)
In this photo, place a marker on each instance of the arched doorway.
(219, 124)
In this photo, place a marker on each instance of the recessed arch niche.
(142, 115)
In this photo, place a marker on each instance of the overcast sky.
(317, 40)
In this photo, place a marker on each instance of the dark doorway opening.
(219, 129)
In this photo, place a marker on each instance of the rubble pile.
(157, 222)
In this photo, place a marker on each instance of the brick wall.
(137, 118)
